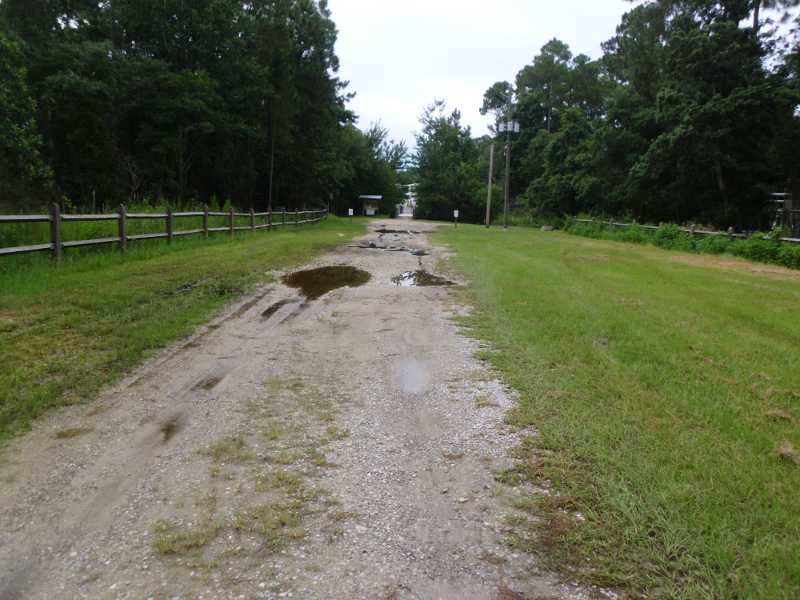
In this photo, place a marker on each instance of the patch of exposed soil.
(734, 264)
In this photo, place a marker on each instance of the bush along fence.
(56, 245)
(784, 251)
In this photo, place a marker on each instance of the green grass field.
(65, 332)
(663, 386)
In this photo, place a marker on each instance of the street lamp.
(507, 127)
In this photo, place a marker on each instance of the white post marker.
(349, 212)
(455, 218)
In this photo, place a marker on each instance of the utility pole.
(507, 177)
(489, 193)
(271, 158)
(509, 126)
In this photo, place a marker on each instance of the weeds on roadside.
(671, 237)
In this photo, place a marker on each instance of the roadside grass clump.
(231, 448)
(171, 537)
(277, 523)
(665, 397)
(670, 237)
(65, 332)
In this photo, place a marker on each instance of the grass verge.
(67, 332)
(670, 237)
(667, 403)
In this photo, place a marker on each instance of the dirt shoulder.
(342, 447)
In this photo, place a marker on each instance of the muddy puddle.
(400, 231)
(314, 283)
(420, 279)
(378, 245)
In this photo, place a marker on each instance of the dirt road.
(327, 445)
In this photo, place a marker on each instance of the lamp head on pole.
(509, 126)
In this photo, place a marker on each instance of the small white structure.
(370, 204)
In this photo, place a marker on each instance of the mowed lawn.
(665, 389)
(65, 332)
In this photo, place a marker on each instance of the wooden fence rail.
(57, 246)
(692, 230)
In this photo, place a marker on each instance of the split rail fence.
(258, 220)
(701, 232)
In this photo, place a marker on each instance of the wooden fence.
(258, 220)
(692, 230)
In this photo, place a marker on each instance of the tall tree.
(186, 99)
(23, 173)
(446, 160)
(687, 116)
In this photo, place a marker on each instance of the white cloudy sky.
(400, 55)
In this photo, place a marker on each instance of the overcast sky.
(401, 55)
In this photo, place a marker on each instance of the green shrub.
(589, 230)
(671, 237)
(685, 242)
(713, 244)
(665, 235)
(756, 248)
(789, 256)
(635, 234)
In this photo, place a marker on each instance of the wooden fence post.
(230, 221)
(269, 220)
(122, 229)
(205, 220)
(55, 231)
(296, 216)
(169, 225)
(283, 217)
(252, 220)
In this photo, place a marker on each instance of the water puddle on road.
(314, 283)
(378, 245)
(400, 231)
(420, 279)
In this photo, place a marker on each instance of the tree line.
(690, 114)
(181, 101)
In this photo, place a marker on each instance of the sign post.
(455, 218)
